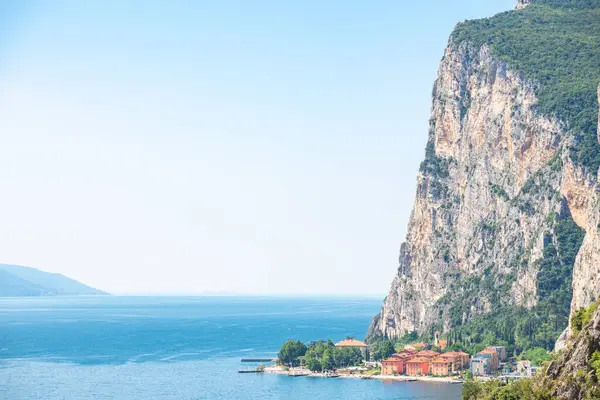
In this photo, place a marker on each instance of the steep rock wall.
(495, 176)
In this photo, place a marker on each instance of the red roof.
(427, 353)
(450, 354)
(394, 357)
(407, 351)
(351, 343)
(418, 360)
(489, 351)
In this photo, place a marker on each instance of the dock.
(254, 360)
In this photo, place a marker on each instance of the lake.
(113, 347)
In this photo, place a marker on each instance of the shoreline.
(397, 378)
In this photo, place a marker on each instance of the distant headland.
(18, 281)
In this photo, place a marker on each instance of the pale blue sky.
(224, 146)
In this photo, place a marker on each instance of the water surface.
(178, 348)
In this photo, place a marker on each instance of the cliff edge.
(504, 228)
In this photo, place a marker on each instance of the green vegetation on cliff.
(582, 317)
(573, 374)
(525, 389)
(555, 44)
(518, 328)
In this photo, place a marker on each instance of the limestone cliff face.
(495, 179)
(569, 377)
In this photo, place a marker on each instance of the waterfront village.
(415, 361)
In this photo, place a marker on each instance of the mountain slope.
(11, 285)
(25, 281)
(575, 373)
(503, 239)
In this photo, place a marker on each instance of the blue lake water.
(178, 348)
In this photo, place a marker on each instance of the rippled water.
(178, 348)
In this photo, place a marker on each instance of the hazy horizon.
(193, 147)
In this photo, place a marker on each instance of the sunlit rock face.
(495, 175)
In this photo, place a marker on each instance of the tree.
(469, 375)
(595, 363)
(383, 349)
(322, 355)
(290, 351)
(313, 364)
(471, 390)
(327, 361)
(537, 355)
(408, 337)
(345, 357)
(577, 320)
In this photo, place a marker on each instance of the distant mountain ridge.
(19, 281)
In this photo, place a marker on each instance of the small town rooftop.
(418, 360)
(427, 353)
(351, 343)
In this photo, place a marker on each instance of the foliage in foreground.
(523, 389)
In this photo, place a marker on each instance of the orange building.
(417, 366)
(441, 367)
(465, 358)
(396, 363)
(393, 365)
(407, 353)
(428, 354)
(491, 354)
(458, 359)
(355, 344)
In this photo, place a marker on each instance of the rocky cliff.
(505, 214)
(573, 375)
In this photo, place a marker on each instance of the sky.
(211, 147)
